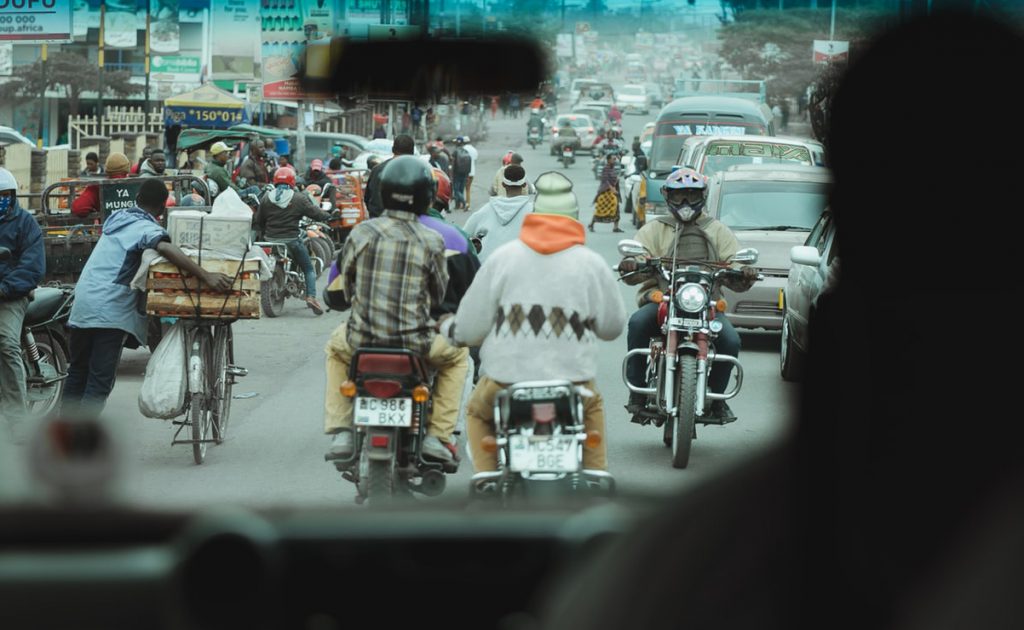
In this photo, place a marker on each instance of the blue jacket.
(103, 295)
(20, 233)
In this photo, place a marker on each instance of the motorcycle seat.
(46, 302)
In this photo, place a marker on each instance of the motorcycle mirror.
(629, 247)
(747, 256)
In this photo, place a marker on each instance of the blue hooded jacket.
(103, 295)
(20, 233)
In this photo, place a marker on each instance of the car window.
(751, 205)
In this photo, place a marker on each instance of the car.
(655, 95)
(585, 129)
(597, 91)
(598, 114)
(8, 135)
(814, 272)
(771, 209)
(633, 99)
(716, 153)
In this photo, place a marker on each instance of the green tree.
(776, 46)
(69, 72)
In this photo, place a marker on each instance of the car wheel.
(791, 358)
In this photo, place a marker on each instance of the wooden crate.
(169, 294)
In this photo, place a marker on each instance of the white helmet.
(7, 181)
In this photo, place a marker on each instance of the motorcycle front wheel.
(683, 424)
(53, 362)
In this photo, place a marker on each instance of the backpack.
(463, 162)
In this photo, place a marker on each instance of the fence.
(18, 160)
(57, 166)
(117, 120)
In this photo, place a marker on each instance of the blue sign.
(205, 117)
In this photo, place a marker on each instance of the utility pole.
(145, 107)
(99, 106)
(42, 103)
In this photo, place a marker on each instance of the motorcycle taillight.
(268, 250)
(382, 388)
(543, 412)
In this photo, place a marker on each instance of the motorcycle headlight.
(692, 298)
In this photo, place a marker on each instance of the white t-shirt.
(474, 155)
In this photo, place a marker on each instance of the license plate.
(542, 455)
(383, 412)
(685, 322)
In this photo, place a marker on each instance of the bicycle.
(211, 375)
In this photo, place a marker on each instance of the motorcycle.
(392, 398)
(680, 360)
(533, 137)
(539, 439)
(288, 279)
(568, 155)
(45, 351)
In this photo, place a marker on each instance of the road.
(274, 454)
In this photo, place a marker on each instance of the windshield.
(721, 155)
(281, 429)
(767, 205)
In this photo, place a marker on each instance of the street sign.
(827, 51)
(29, 21)
(175, 65)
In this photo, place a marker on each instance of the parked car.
(814, 271)
(770, 208)
(8, 135)
(633, 99)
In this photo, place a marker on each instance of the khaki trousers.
(480, 423)
(452, 364)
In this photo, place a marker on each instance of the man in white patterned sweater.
(537, 308)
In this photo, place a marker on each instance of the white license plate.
(685, 322)
(383, 412)
(542, 454)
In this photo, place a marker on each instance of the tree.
(775, 46)
(68, 72)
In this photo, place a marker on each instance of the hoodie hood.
(281, 197)
(147, 169)
(123, 218)
(506, 208)
(550, 233)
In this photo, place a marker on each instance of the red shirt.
(89, 200)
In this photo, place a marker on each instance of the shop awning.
(208, 107)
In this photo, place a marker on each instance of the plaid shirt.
(394, 272)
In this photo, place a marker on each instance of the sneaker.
(436, 449)
(636, 405)
(313, 304)
(342, 446)
(721, 411)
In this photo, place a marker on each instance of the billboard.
(164, 34)
(30, 21)
(295, 36)
(826, 51)
(236, 54)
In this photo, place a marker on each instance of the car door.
(805, 282)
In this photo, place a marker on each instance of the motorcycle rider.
(394, 273)
(701, 237)
(502, 216)
(566, 134)
(19, 275)
(536, 122)
(547, 271)
(277, 219)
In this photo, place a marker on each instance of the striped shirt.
(394, 272)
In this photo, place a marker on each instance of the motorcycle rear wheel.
(683, 423)
(272, 293)
(54, 360)
(380, 481)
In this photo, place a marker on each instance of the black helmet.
(407, 183)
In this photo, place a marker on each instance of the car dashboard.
(309, 569)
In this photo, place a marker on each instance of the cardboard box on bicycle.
(212, 233)
(169, 294)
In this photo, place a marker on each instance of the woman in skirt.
(606, 203)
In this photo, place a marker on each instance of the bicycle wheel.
(223, 357)
(200, 414)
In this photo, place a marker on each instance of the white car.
(584, 127)
(382, 149)
(633, 99)
(8, 135)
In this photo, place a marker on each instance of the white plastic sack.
(166, 383)
(229, 204)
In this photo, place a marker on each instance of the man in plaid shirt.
(395, 272)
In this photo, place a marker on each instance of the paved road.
(274, 454)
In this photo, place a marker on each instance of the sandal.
(314, 306)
